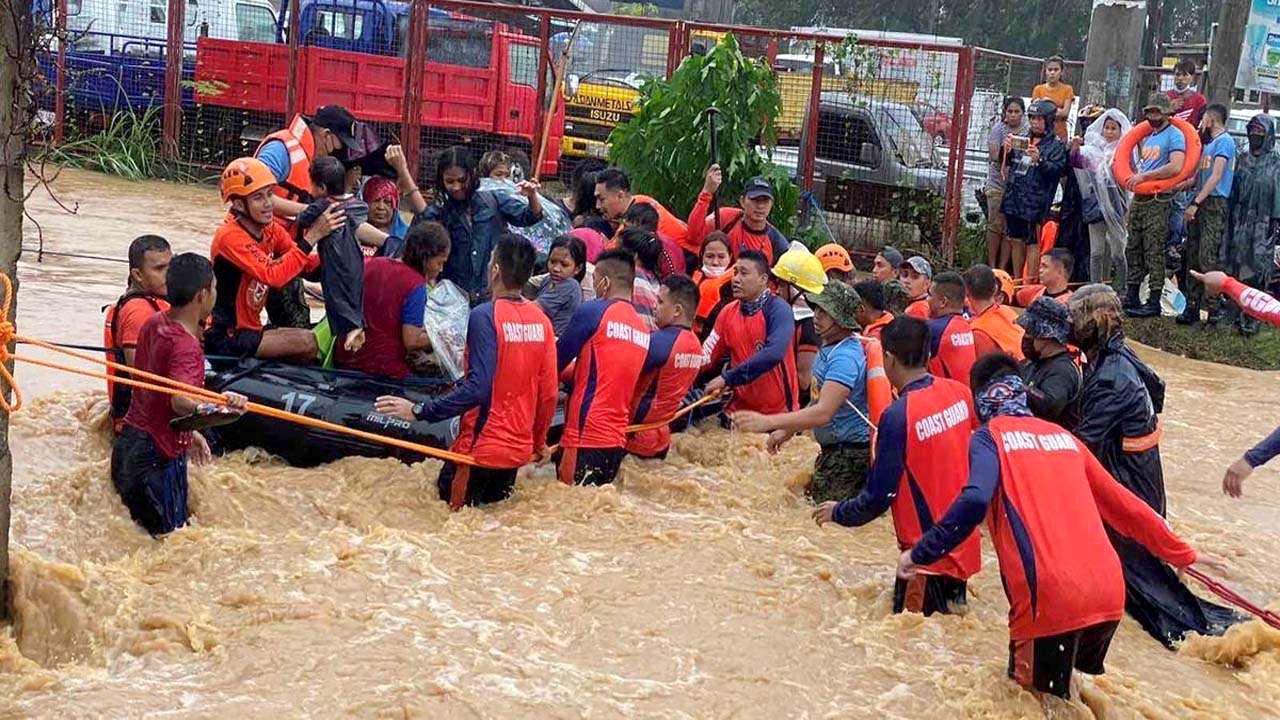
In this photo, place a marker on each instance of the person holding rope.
(1063, 580)
(1051, 373)
(994, 324)
(149, 458)
(747, 226)
(1119, 422)
(839, 419)
(1161, 155)
(921, 463)
(952, 348)
(607, 343)
(508, 395)
(670, 368)
(149, 258)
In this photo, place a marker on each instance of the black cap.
(758, 187)
(339, 121)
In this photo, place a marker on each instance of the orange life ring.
(1122, 164)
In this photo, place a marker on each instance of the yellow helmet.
(797, 266)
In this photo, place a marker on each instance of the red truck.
(480, 87)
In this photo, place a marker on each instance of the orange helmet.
(1006, 285)
(834, 257)
(245, 176)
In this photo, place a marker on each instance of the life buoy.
(1122, 164)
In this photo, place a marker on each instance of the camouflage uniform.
(896, 298)
(1204, 242)
(840, 472)
(1148, 230)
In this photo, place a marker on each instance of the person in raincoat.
(1119, 422)
(1248, 251)
(1105, 203)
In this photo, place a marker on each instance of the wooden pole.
(562, 65)
(17, 65)
(1228, 42)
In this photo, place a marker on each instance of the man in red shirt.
(149, 457)
(1046, 497)
(952, 352)
(921, 463)
(149, 257)
(672, 365)
(607, 341)
(508, 395)
(614, 198)
(1188, 102)
(916, 275)
(747, 225)
(755, 332)
(252, 253)
(994, 325)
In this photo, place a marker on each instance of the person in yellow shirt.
(1057, 91)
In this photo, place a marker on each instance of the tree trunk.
(1225, 53)
(16, 65)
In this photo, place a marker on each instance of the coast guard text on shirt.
(942, 421)
(523, 332)
(1053, 442)
(622, 331)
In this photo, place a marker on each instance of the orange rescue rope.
(659, 423)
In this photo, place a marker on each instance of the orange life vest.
(995, 323)
(879, 391)
(300, 143)
(709, 295)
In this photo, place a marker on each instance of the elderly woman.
(1119, 422)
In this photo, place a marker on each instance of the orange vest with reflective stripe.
(879, 391)
(301, 145)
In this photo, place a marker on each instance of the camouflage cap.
(1157, 100)
(840, 301)
(1046, 318)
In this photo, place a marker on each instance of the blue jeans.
(1177, 221)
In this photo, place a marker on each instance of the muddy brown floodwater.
(697, 588)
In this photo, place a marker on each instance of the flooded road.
(694, 588)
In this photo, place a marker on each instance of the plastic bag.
(445, 320)
(555, 221)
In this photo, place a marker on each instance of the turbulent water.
(698, 587)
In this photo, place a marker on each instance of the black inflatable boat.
(342, 397)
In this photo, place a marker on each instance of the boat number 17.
(297, 402)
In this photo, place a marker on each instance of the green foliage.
(205, 87)
(636, 9)
(666, 147)
(128, 146)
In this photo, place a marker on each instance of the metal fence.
(885, 136)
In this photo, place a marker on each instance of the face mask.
(1255, 143)
(1029, 348)
(1206, 136)
(1158, 125)
(713, 272)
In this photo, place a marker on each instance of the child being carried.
(341, 262)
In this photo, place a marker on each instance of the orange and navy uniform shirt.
(951, 350)
(762, 360)
(670, 369)
(921, 464)
(996, 330)
(609, 341)
(770, 241)
(918, 309)
(247, 268)
(510, 344)
(1047, 498)
(120, 329)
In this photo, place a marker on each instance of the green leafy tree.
(666, 145)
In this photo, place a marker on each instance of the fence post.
(292, 101)
(172, 121)
(415, 70)
(677, 38)
(544, 63)
(60, 75)
(810, 151)
(960, 112)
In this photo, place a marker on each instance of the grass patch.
(1221, 344)
(128, 146)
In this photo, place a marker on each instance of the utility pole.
(17, 64)
(1228, 42)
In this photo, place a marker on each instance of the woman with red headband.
(383, 194)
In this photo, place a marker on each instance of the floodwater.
(693, 588)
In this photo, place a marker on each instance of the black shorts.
(589, 466)
(474, 485)
(152, 486)
(1045, 663)
(232, 343)
(929, 594)
(1019, 229)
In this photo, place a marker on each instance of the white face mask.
(714, 272)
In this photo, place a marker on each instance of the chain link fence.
(885, 135)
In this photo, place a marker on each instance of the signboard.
(1260, 56)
